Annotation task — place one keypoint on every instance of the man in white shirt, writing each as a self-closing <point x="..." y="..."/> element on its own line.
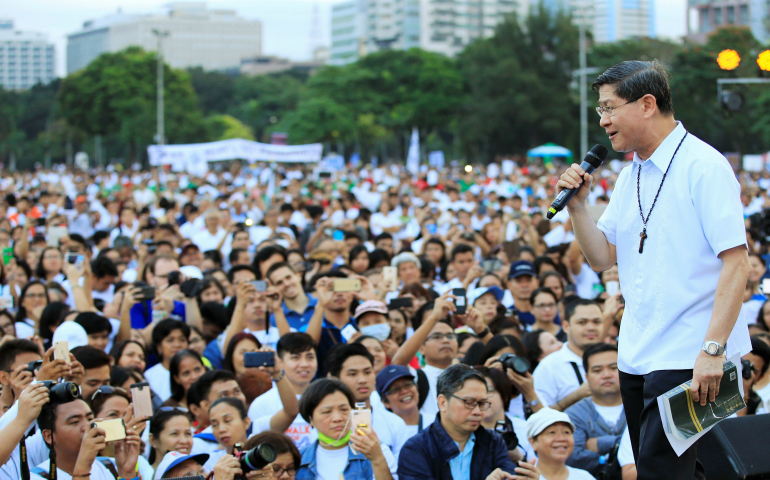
<point x="353" y="365"/>
<point x="675" y="227"/>
<point x="211" y="237"/>
<point x="559" y="376"/>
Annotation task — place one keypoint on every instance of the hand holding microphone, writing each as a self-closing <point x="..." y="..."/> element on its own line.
<point x="576" y="181"/>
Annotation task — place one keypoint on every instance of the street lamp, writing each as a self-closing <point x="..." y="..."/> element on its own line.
<point x="161" y="34"/>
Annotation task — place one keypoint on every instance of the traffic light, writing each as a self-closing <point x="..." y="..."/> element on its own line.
<point x="732" y="101"/>
<point x="763" y="60"/>
<point x="728" y="59"/>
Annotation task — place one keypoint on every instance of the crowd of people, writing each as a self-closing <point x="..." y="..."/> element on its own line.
<point x="363" y="324"/>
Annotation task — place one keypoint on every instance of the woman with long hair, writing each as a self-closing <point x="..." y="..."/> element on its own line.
<point x="49" y="268"/>
<point x="168" y="337"/>
<point x="32" y="301"/>
<point x="498" y="346"/>
<point x="240" y="344"/>
<point x="358" y="259"/>
<point x="185" y="368"/>
<point x="129" y="354"/>
<point x="52" y="316"/>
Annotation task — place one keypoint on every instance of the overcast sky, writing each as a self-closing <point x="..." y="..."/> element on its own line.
<point x="285" y="23"/>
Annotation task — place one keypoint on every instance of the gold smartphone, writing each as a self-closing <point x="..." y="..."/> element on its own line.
<point x="360" y="421"/>
<point x="141" y="399"/>
<point x="342" y="285"/>
<point x="61" y="350"/>
<point x="114" y="429"/>
<point x="389" y="276"/>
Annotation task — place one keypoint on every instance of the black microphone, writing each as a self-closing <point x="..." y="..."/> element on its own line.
<point x="591" y="162"/>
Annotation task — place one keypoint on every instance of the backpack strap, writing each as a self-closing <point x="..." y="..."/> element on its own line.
<point x="577" y="372"/>
<point x="109" y="466"/>
<point x="423" y="387"/>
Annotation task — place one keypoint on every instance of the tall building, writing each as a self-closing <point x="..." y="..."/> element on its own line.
<point x="212" y="39"/>
<point x="708" y="15"/>
<point x="612" y="20"/>
<point x="26" y="58"/>
<point x="442" y="26"/>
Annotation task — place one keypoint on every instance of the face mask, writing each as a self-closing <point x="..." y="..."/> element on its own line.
<point x="380" y="331"/>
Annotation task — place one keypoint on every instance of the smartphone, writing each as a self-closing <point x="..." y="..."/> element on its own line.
<point x="766" y="286"/>
<point x="174" y="278"/>
<point x="491" y="265"/>
<point x="348" y="332"/>
<point x="360" y="420"/>
<point x="260" y="285"/>
<point x="34" y="365"/>
<point x="114" y="429"/>
<point x="389" y="275"/>
<point x="61" y="350"/>
<point x="612" y="288"/>
<point x="7" y="255"/>
<point x="54" y="234"/>
<point x="140" y="398"/>
<point x="147" y="293"/>
<point x="40" y="222"/>
<point x="342" y="285"/>
<point x="75" y="259"/>
<point x="460" y="303"/>
<point x="6" y="302"/>
<point x="324" y="174"/>
<point x="339" y="235"/>
<point x="400" y="302"/>
<point x="151" y="248"/>
<point x="258" y="359"/>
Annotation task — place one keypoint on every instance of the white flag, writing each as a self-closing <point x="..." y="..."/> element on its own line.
<point x="413" y="157"/>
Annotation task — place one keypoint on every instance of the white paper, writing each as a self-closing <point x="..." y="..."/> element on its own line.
<point x="681" y="446"/>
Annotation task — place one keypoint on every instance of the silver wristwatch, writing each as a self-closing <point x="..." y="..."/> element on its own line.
<point x="713" y="348"/>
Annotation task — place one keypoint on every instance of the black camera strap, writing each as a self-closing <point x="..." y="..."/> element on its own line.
<point x="23" y="458"/>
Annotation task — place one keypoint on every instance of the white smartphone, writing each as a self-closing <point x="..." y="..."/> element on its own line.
<point x="348" y="332"/>
<point x="612" y="288"/>
<point x="389" y="276"/>
<point x="766" y="286"/>
<point x="61" y="350"/>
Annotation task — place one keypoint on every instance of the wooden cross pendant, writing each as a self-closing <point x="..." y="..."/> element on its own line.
<point x="643" y="235"/>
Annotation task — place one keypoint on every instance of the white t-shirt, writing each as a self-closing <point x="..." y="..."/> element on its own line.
<point x="611" y="415"/>
<point x="24" y="329"/>
<point x="764" y="394"/>
<point x="429" y="408"/>
<point x="555" y="378"/>
<point x="585" y="281"/>
<point x="332" y="461"/>
<point x="98" y="471"/>
<point x="268" y="404"/>
<point x="575" y="474"/>
<point x="160" y="381"/>
<point x="206" y="241"/>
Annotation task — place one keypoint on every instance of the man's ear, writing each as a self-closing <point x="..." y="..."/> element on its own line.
<point x="5" y="378"/>
<point x="204" y="405"/>
<point x="442" y="400"/>
<point x="48" y="437"/>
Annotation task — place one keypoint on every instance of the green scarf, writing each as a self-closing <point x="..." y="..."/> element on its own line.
<point x="333" y="443"/>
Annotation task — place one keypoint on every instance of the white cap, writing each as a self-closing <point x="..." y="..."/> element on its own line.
<point x="191" y="271"/>
<point x="543" y="419"/>
<point x="72" y="333"/>
<point x="172" y="459"/>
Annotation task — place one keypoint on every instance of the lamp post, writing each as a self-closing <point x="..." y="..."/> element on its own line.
<point x="161" y="34"/>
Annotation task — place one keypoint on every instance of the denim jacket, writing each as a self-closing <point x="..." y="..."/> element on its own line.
<point x="358" y="467"/>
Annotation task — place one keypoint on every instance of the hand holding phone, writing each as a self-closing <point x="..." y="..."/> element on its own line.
<point x="258" y="359"/>
<point x="114" y="429"/>
<point x="342" y="285"/>
<point x="140" y="398"/>
<point x="460" y="303"/>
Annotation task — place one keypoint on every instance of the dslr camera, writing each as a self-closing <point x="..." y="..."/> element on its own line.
<point x="64" y="392"/>
<point x="520" y="365"/>
<point x="256" y="458"/>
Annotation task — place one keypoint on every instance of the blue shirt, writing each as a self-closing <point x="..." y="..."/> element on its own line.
<point x="141" y="313"/>
<point x="330" y="336"/>
<point x="298" y="321"/>
<point x="461" y="464"/>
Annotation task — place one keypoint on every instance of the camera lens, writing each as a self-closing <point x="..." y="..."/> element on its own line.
<point x="518" y="364"/>
<point x="64" y="392"/>
<point x="258" y="457"/>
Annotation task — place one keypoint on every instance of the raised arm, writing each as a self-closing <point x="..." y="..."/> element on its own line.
<point x="441" y="308"/>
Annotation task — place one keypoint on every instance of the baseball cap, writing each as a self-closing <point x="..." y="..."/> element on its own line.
<point x="172" y="459"/>
<point x="477" y="293"/>
<point x="390" y="374"/>
<point x="543" y="419"/>
<point x="522" y="267"/>
<point x="72" y="333"/>
<point x="371" y="306"/>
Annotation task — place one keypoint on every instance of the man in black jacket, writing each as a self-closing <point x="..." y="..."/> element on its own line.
<point x="456" y="446"/>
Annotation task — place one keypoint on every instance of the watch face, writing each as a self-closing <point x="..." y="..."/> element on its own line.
<point x="712" y="348"/>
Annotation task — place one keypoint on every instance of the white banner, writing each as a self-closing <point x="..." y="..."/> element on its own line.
<point x="193" y="157"/>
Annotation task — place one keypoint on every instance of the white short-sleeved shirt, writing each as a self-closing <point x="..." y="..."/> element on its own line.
<point x="268" y="404"/>
<point x="98" y="471"/>
<point x="625" y="451"/>
<point x="669" y="289"/>
<point x="555" y="376"/>
<point x="575" y="474"/>
<point x="429" y="408"/>
<point x="160" y="381"/>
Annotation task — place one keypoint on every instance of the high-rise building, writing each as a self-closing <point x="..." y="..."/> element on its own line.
<point x="612" y="20"/>
<point x="708" y="15"/>
<point x="26" y="58"/>
<point x="197" y="36"/>
<point x="442" y="26"/>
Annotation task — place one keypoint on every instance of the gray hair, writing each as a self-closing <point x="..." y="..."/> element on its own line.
<point x="406" y="257"/>
<point x="634" y="79"/>
<point x="453" y="379"/>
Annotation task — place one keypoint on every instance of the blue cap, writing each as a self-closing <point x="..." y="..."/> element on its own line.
<point x="522" y="267"/>
<point x="477" y="293"/>
<point x="390" y="374"/>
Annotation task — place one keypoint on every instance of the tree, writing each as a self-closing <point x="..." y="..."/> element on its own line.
<point x="223" y="127"/>
<point x="116" y="94"/>
<point x="215" y="90"/>
<point x="263" y="100"/>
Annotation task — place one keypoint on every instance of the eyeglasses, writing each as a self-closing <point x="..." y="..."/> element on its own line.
<point x="277" y="471"/>
<point x="544" y="306"/>
<point x="439" y="336"/>
<point x="471" y="404"/>
<point x="610" y="111"/>
<point x="400" y="388"/>
<point x="35" y="295"/>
